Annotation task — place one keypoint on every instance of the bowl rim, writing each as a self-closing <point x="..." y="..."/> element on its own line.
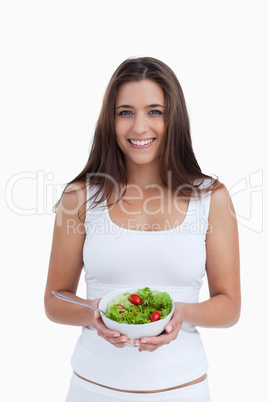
<point x="136" y="325"/>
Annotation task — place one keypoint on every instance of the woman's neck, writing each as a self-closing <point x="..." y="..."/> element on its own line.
<point x="144" y="176"/>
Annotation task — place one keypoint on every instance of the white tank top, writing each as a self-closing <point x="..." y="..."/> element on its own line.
<point x="172" y="261"/>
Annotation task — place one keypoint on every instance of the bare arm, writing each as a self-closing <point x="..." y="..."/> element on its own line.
<point x="66" y="262"/>
<point x="222" y="266"/>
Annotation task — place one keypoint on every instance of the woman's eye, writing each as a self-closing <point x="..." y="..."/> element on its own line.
<point x="155" y="112"/>
<point x="125" y="113"/>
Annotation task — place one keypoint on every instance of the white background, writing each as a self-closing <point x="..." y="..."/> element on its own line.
<point x="56" y="60"/>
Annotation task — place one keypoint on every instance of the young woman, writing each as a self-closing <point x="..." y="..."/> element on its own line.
<point x="142" y="213"/>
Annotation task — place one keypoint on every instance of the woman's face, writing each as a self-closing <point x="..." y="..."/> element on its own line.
<point x="139" y="116"/>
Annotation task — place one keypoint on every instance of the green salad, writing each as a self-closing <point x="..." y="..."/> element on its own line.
<point x="142" y="307"/>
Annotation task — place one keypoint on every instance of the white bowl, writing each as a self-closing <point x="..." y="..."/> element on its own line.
<point x="132" y="331"/>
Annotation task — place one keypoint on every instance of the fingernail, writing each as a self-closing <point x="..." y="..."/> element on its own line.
<point x="96" y="313"/>
<point x="143" y="341"/>
<point x="116" y="335"/>
<point x="169" y="328"/>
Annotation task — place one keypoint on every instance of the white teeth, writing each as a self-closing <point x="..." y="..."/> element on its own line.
<point x="141" y="142"/>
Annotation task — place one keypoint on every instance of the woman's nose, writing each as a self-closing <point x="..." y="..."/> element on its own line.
<point x="140" y="124"/>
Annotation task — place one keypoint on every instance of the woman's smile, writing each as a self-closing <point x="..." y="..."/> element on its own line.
<point x="141" y="143"/>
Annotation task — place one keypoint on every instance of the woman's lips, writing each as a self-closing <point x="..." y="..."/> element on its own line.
<point x="142" y="146"/>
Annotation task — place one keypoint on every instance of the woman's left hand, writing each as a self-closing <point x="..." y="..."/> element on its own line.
<point x="172" y="328"/>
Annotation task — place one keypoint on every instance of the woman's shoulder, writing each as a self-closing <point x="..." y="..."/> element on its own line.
<point x="219" y="194"/>
<point x="217" y="198"/>
<point x="73" y="199"/>
<point x="76" y="189"/>
<point x="77" y="186"/>
<point x="221" y="206"/>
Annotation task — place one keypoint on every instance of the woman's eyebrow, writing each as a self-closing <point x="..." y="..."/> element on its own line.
<point x="125" y="106"/>
<point x="154" y="105"/>
<point x="146" y="107"/>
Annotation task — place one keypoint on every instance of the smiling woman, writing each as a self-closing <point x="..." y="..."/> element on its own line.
<point x="142" y="172"/>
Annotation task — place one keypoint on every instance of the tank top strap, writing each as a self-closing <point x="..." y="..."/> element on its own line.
<point x="93" y="212"/>
<point x="199" y="206"/>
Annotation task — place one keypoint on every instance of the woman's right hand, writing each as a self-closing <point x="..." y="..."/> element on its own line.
<point x="113" y="337"/>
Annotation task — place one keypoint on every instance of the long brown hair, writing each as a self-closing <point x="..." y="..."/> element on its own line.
<point x="105" y="166"/>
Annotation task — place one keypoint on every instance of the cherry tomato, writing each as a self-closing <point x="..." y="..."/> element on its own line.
<point x="135" y="299"/>
<point x="155" y="316"/>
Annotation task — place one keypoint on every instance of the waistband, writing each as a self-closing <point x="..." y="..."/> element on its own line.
<point x="199" y="391"/>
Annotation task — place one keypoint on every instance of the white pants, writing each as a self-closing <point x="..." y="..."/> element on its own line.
<point x="83" y="391"/>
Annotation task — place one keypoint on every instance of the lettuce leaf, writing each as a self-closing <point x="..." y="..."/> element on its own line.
<point x="123" y="311"/>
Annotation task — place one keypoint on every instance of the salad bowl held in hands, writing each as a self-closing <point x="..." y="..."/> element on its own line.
<point x="137" y="312"/>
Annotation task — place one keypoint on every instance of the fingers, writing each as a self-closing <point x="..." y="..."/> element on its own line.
<point x="177" y="318"/>
<point x="174" y="325"/>
<point x="113" y="337"/>
<point x="152" y="343"/>
<point x="172" y="329"/>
